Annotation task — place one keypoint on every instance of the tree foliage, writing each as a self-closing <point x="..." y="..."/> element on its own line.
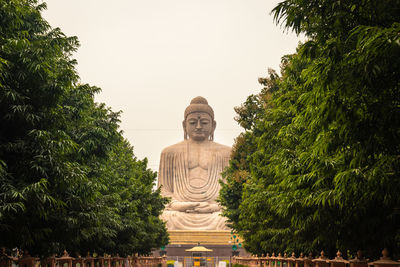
<point x="322" y="158"/>
<point x="68" y="179"/>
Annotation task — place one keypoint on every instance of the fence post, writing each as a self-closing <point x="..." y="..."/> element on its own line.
<point x="291" y="260"/>
<point x="257" y="261"/>
<point x="261" y="260"/>
<point x="358" y="261"/>
<point x="385" y="261"/>
<point x="338" y="261"/>
<point x="279" y="260"/>
<point x="272" y="262"/>
<point x="27" y="260"/>
<point x="78" y="262"/>
<point x="300" y="260"/>
<point x="267" y="259"/>
<point x="134" y="261"/>
<point x="65" y="258"/>
<point x="89" y="260"/>
<point x="254" y="261"/>
<point x="164" y="261"/>
<point x="286" y="260"/>
<point x="308" y="260"/>
<point x="232" y="260"/>
<point x="116" y="261"/>
<point x="107" y="261"/>
<point x="321" y="261"/>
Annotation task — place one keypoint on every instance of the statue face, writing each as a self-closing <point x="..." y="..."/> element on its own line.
<point x="199" y="126"/>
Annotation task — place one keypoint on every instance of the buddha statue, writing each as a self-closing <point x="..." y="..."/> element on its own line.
<point x="190" y="172"/>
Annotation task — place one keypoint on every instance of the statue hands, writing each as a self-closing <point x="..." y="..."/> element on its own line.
<point x="194" y="207"/>
<point x="205" y="207"/>
<point x="183" y="206"/>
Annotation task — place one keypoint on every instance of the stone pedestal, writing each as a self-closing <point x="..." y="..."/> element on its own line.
<point x="205" y="238"/>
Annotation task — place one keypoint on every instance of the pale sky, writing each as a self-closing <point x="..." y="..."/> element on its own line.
<point x="151" y="57"/>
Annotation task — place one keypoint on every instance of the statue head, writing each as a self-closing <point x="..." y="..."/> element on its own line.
<point x="199" y="123"/>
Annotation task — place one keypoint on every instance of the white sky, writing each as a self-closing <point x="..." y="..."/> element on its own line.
<point x="151" y="57"/>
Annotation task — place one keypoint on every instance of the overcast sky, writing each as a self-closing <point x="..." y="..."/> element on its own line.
<point x="151" y="57"/>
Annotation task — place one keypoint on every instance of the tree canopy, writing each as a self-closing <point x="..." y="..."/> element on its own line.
<point x="318" y="164"/>
<point x="68" y="178"/>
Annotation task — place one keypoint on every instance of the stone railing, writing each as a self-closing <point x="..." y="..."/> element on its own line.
<point x="66" y="261"/>
<point x="309" y="261"/>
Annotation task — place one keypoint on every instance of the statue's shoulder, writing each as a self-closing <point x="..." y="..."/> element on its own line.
<point x="220" y="148"/>
<point x="179" y="147"/>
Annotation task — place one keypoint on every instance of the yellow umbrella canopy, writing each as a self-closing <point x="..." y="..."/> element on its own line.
<point x="198" y="249"/>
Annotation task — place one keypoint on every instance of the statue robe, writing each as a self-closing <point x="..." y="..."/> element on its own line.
<point x="174" y="179"/>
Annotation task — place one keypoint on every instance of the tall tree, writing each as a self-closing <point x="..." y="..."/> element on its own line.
<point x="334" y="175"/>
<point x="60" y="151"/>
<point x="249" y="117"/>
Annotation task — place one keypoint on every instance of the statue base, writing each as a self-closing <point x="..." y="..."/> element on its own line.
<point x="217" y="240"/>
<point x="205" y="237"/>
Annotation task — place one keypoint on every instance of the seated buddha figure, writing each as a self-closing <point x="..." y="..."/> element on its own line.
<point x="190" y="172"/>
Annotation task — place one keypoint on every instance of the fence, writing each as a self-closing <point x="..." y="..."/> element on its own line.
<point x="309" y="261"/>
<point x="66" y="261"/>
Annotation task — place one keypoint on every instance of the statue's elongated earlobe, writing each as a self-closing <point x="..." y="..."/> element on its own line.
<point x="184" y="130"/>
<point x="214" y="125"/>
<point x="185" y="133"/>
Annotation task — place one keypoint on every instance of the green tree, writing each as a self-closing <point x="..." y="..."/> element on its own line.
<point x="249" y="117"/>
<point x="68" y="179"/>
<point x="255" y="220"/>
<point x="330" y="171"/>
